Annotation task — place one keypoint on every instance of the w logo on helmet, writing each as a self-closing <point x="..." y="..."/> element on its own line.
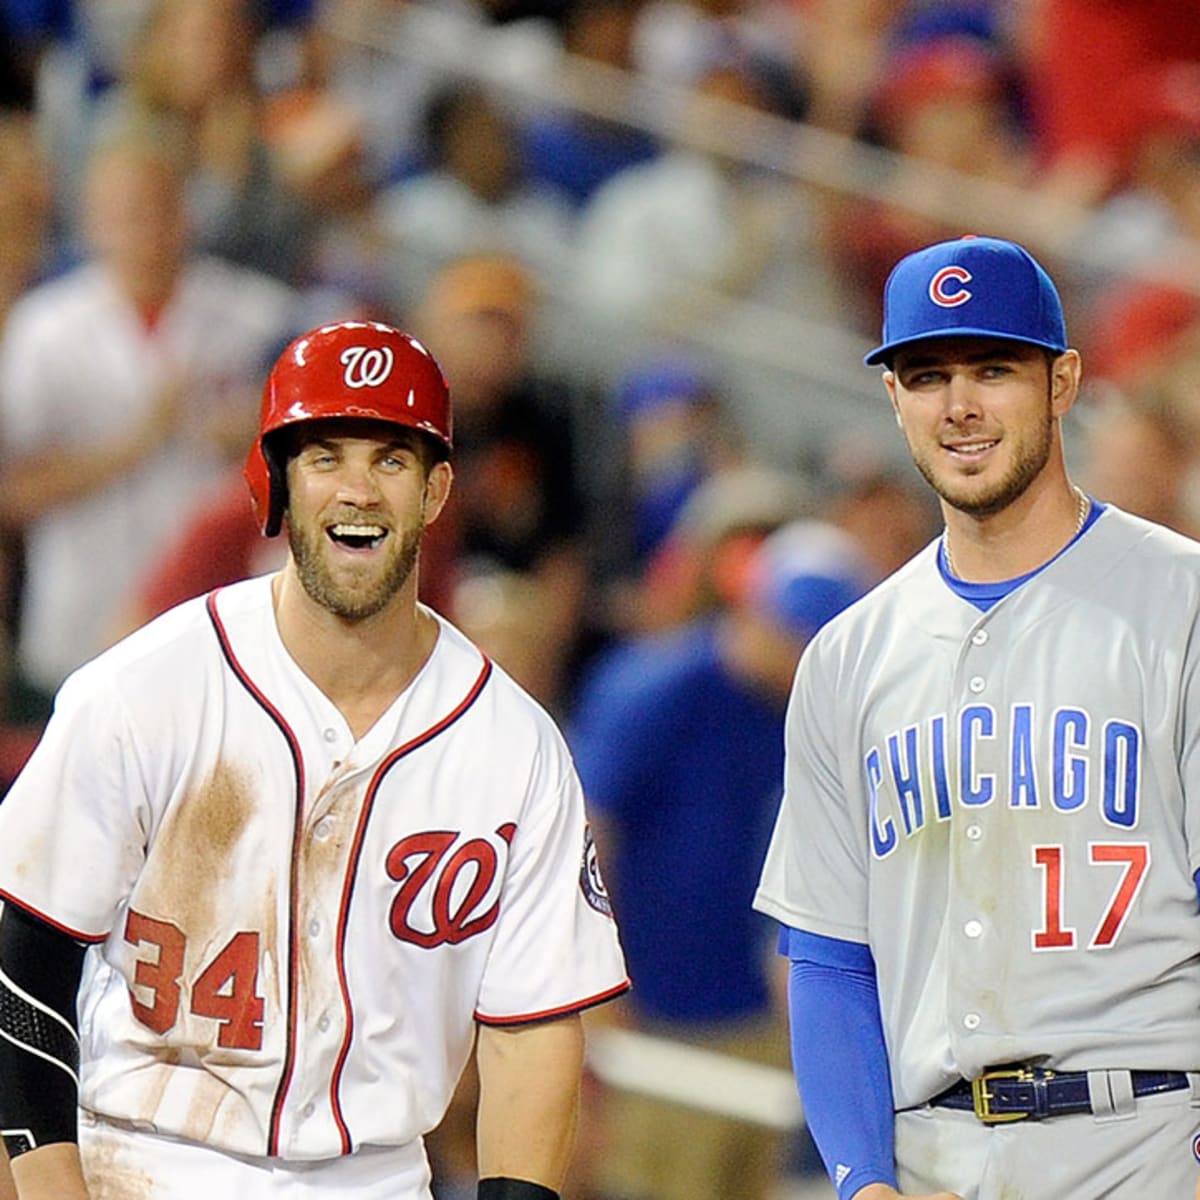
<point x="946" y="288"/>
<point x="366" y="366"/>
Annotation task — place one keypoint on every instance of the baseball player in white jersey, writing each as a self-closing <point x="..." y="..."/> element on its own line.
<point x="295" y="847"/>
<point x="986" y="859"/>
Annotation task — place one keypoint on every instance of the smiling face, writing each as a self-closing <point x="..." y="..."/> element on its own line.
<point x="981" y="416"/>
<point x="360" y="494"/>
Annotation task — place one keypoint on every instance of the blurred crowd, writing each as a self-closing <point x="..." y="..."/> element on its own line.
<point x="562" y="198"/>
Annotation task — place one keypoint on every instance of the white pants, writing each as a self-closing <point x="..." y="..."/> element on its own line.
<point x="1147" y="1150"/>
<point x="123" y="1164"/>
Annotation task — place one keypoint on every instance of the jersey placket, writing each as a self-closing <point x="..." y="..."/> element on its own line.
<point x="976" y="776"/>
<point x="323" y="1016"/>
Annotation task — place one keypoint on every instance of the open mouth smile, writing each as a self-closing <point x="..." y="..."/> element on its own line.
<point x="357" y="537"/>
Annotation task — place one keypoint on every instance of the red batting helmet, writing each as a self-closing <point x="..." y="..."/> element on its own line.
<point x="350" y="369"/>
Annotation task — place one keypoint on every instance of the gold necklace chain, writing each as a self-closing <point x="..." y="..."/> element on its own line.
<point x="1083" y="507"/>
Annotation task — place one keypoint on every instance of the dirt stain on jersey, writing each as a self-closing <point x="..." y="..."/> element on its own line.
<point x="109" y="1177"/>
<point x="35" y="856"/>
<point x="209" y="1092"/>
<point x="324" y="852"/>
<point x="156" y="1079"/>
<point x="190" y="865"/>
<point x="329" y="831"/>
<point x="203" y="878"/>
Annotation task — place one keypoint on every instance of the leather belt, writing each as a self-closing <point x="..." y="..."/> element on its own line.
<point x="1018" y="1093"/>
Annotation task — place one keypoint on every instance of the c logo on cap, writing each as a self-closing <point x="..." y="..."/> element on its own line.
<point x="950" y="297"/>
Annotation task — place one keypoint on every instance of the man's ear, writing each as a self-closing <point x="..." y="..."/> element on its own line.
<point x="437" y="490"/>
<point x="889" y="382"/>
<point x="1065" y="373"/>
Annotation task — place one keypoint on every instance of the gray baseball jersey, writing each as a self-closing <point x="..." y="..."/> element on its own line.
<point x="1006" y="808"/>
<point x="294" y="932"/>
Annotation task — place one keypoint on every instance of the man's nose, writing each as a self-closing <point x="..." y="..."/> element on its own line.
<point x="357" y="484"/>
<point x="962" y="398"/>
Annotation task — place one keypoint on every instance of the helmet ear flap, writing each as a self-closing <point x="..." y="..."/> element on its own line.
<point x="266" y="476"/>
<point x="276" y="492"/>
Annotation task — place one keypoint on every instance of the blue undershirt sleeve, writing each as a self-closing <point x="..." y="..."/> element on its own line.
<point x="839" y="1057"/>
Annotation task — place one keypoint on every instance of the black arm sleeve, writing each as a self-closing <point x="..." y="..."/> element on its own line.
<point x="501" y="1187"/>
<point x="40" y="969"/>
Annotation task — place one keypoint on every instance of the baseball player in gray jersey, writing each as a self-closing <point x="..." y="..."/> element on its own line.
<point x="986" y="859"/>
<point x="289" y="854"/>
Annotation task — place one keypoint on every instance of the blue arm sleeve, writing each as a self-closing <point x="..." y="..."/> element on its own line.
<point x="840" y="1059"/>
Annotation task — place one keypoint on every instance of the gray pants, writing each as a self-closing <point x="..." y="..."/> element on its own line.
<point x="1145" y="1149"/>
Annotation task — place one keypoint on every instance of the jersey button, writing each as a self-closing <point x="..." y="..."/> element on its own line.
<point x="314" y="927"/>
<point x="973" y="929"/>
<point x="322" y="829"/>
<point x="972" y="1021"/>
<point x="979" y="637"/>
<point x="974" y="833"/>
<point x="308" y="1110"/>
<point x="977" y="684"/>
<point x="324" y="1023"/>
<point x="330" y="735"/>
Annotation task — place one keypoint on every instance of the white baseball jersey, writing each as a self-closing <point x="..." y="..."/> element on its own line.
<point x="294" y="933"/>
<point x="1006" y="807"/>
<point x="79" y="369"/>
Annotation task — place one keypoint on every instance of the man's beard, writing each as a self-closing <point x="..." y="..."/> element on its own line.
<point x="1024" y="470"/>
<point x="359" y="595"/>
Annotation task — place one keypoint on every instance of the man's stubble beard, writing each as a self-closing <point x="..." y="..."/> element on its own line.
<point x="355" y="600"/>
<point x="1024" y="470"/>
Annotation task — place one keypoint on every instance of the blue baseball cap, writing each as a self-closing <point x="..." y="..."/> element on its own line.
<point x="663" y="381"/>
<point x="804" y="574"/>
<point x="970" y="287"/>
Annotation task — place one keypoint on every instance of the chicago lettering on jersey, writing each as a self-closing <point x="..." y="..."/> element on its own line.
<point x="1065" y="760"/>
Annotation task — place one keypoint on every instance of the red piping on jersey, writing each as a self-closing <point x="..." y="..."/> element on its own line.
<point x="93" y="939"/>
<point x="550" y="1013"/>
<point x="289" y="1056"/>
<point x="352" y="870"/>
